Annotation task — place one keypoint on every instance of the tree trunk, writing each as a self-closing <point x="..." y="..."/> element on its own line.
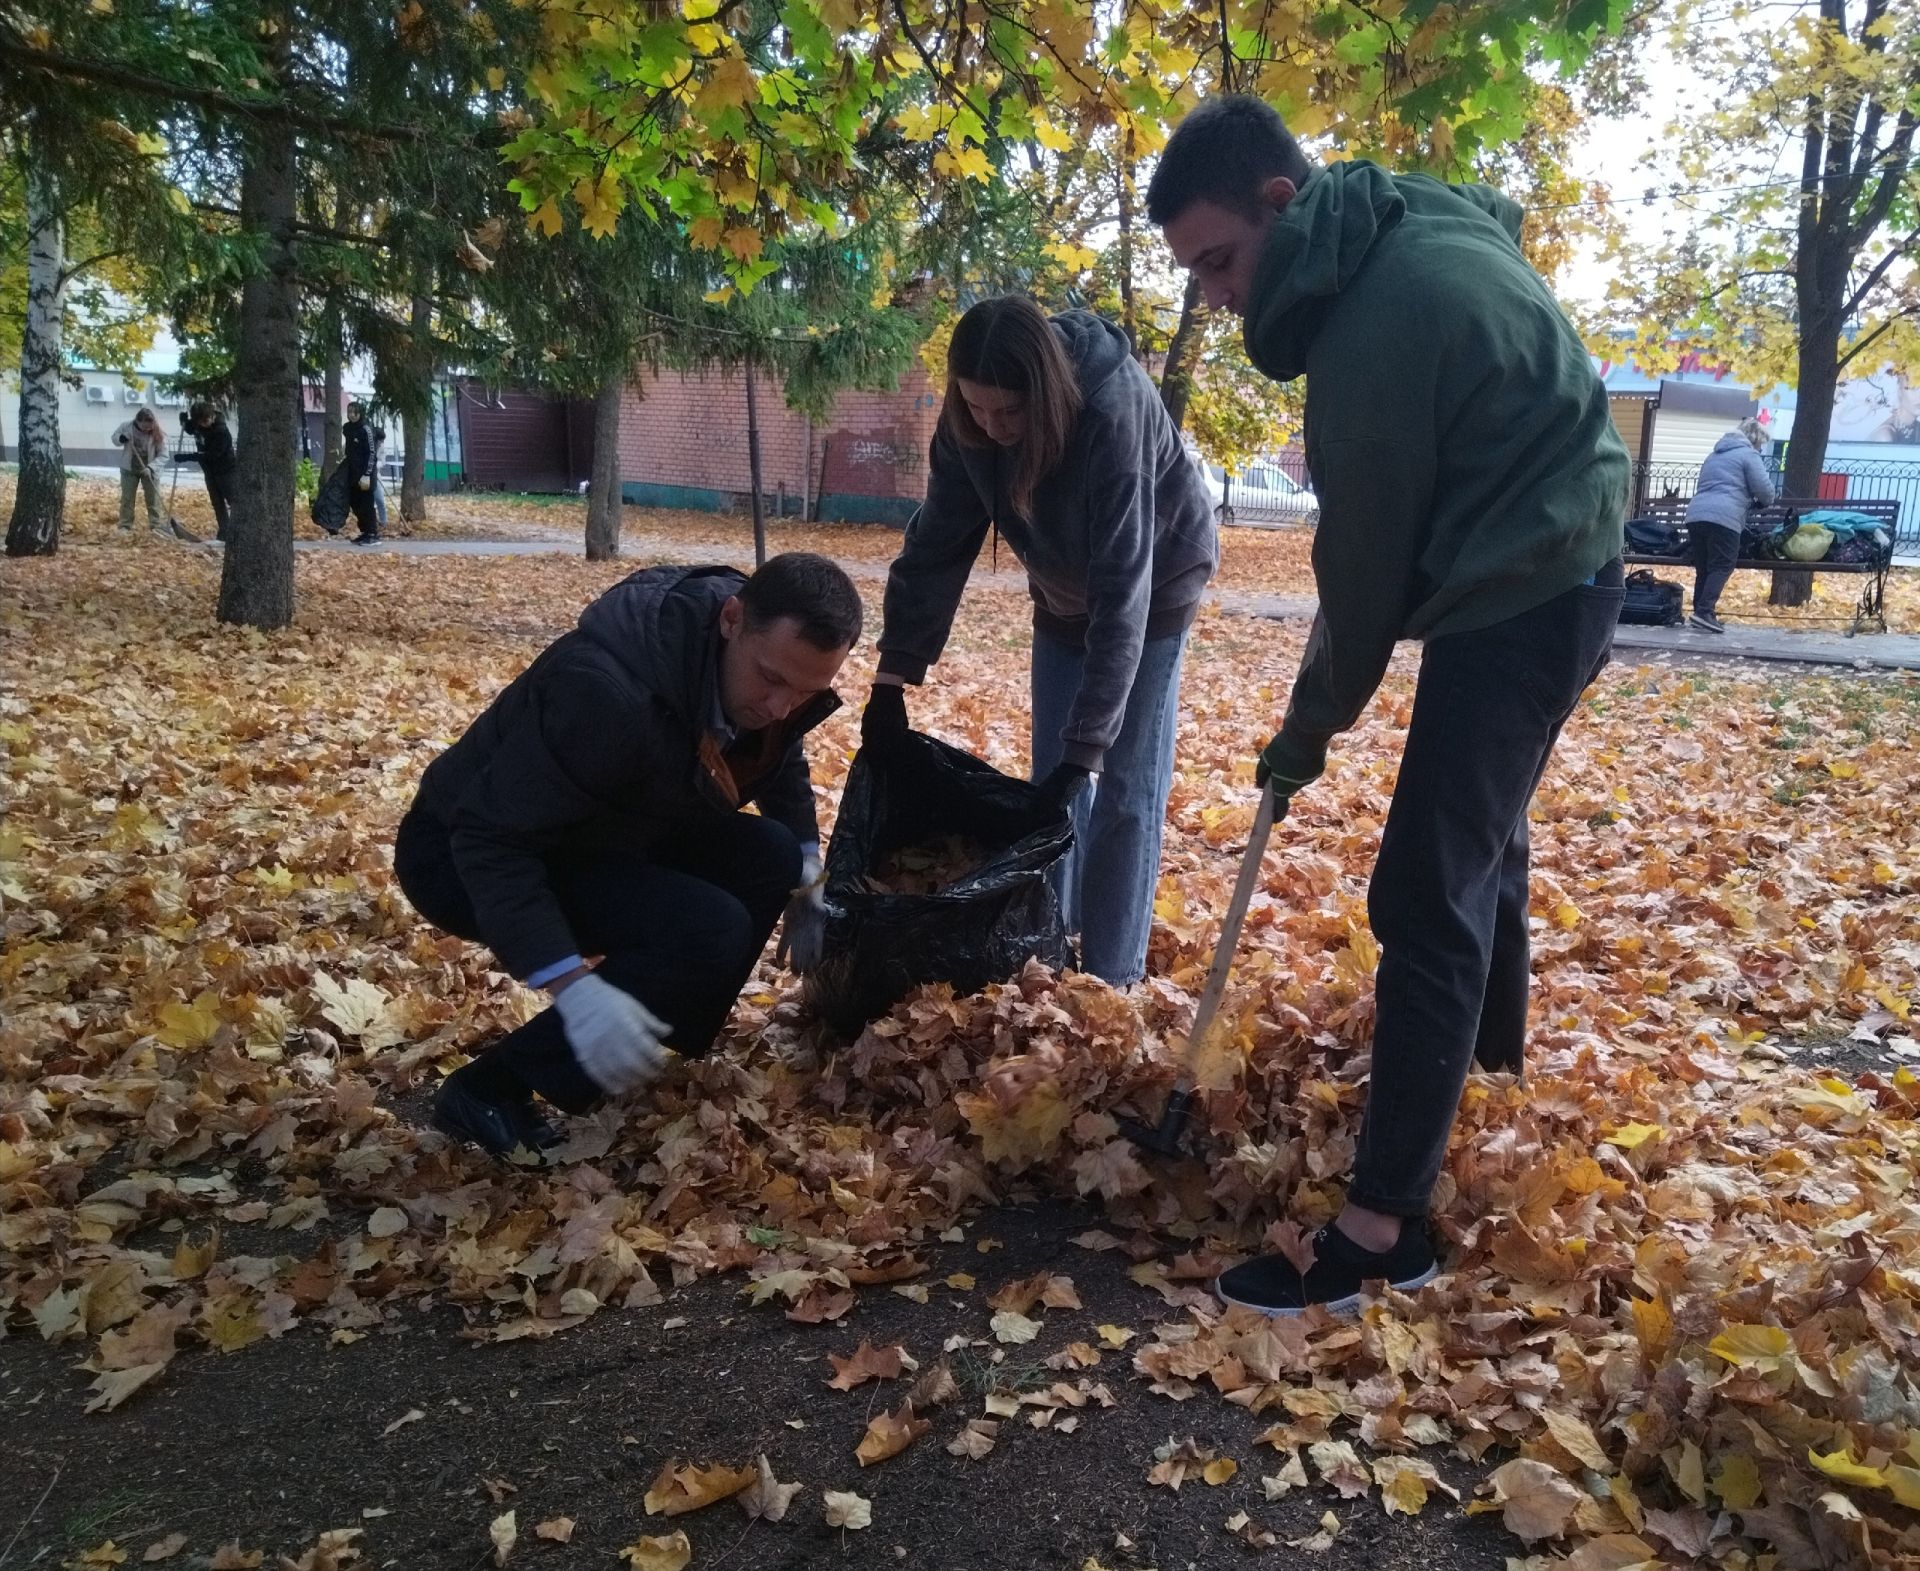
<point x="41" y="495"/>
<point x="753" y="470"/>
<point x="333" y="442"/>
<point x="1129" y="317"/>
<point x="256" y="577"/>
<point x="1176" y="381"/>
<point x="413" y="418"/>
<point x="603" y="489"/>
<point x="1807" y="442"/>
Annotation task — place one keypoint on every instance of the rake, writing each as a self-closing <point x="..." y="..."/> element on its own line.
<point x="1166" y="1138"/>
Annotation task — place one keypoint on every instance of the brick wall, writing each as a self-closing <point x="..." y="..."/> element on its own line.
<point x="683" y="443"/>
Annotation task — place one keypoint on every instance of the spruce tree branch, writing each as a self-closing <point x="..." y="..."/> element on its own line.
<point x="106" y="73"/>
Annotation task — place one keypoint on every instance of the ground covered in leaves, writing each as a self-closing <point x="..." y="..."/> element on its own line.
<point x="257" y="1315"/>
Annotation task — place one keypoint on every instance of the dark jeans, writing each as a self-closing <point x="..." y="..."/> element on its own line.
<point x="680" y="930"/>
<point x="1715" y="550"/>
<point x="220" y="494"/>
<point x="1448" y="901"/>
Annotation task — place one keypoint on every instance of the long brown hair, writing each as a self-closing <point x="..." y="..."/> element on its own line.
<point x="1009" y="343"/>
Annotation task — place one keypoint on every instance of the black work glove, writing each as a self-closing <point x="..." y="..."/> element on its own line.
<point x="1064" y="784"/>
<point x="884" y="720"/>
<point x="1283" y="770"/>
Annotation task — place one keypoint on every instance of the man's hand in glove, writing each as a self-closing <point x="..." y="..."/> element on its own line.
<point x="884" y="719"/>
<point x="1277" y="765"/>
<point x="618" y="1041"/>
<point x="803" y="930"/>
<point x="1062" y="787"/>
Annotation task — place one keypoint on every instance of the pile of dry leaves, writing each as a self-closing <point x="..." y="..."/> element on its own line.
<point x="1684" y="1286"/>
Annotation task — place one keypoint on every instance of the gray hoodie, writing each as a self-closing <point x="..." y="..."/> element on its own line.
<point x="1733" y="480"/>
<point x="1120" y="548"/>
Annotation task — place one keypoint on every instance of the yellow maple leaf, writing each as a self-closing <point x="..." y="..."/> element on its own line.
<point x="1841" y="1465"/>
<point x="1630" y="1137"/>
<point x="546" y="218"/>
<point x="1220" y="1470"/>
<point x="188" y="1026"/>
<point x="705" y="232"/>
<point x="1753" y="1347"/>
<point x="1736" y="1481"/>
<point x="1022" y="1136"/>
<point x="730" y="85"/>
<point x="888" y="1434"/>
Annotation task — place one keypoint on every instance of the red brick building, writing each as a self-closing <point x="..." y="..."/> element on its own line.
<point x="683" y="443"/>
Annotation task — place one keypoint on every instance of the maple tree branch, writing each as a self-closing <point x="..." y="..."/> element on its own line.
<point x="1861" y="343"/>
<point x="1899" y="159"/>
<point x="1894" y="254"/>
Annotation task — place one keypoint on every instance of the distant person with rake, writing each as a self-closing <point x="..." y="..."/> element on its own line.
<point x="142" y="444"/>
<point x="1052" y="434"/>
<point x="595" y="809"/>
<point x="1472" y="495"/>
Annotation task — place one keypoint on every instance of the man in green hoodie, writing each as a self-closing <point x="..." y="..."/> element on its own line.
<point x="1472" y="491"/>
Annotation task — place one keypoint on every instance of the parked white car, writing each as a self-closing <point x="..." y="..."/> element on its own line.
<point x="1263" y="494"/>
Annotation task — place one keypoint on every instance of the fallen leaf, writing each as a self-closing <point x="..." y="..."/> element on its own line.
<point x="867" y="1363"/>
<point x="1220" y="1470"/>
<point x="1536" y="1501"/>
<point x="412" y="1415"/>
<point x="166" y="1548"/>
<point x="1320" y="1542"/>
<point x="976" y="1439"/>
<point x="504" y="1533"/>
<point x="670" y="1553"/>
<point x="677" y="1490"/>
<point x="847" y="1510"/>
<point x="888" y="1434"/>
<point x="1013" y="1328"/>
<point x="766" y="1496"/>
<point x="557" y="1529"/>
<point x="935" y="1388"/>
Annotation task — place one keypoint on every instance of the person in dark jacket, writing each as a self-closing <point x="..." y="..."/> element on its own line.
<point x="362" y="473"/>
<point x="213" y="443"/>
<point x="1472" y="495"/>
<point x="1733" y="481"/>
<point x="595" y="809"/>
<point x="1052" y="433"/>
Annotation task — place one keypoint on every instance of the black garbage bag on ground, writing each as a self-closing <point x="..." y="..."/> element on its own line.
<point x="982" y="928"/>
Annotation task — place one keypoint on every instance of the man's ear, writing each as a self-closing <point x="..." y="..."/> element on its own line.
<point x="732" y="616"/>
<point x="1278" y="192"/>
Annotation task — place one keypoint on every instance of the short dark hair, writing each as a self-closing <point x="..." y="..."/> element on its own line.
<point x="1224" y="152"/>
<point x="814" y="592"/>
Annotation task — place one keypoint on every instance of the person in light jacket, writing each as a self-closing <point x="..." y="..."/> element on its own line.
<point x="1732" y="482"/>
<point x="142" y="444"/>
<point x="1052" y="432"/>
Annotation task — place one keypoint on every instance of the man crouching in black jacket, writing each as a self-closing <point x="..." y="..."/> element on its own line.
<point x="594" y="809"/>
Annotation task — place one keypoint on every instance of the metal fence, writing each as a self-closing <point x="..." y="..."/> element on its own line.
<point x="1841" y="478"/>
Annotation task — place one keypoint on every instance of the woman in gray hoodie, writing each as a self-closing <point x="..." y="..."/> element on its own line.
<point x="1053" y="433"/>
<point x="1732" y="482"/>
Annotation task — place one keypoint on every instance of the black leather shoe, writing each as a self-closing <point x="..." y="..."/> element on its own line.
<point x="537" y="1131"/>
<point x="495" y="1127"/>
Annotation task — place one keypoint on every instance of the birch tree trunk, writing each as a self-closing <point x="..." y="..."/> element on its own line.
<point x="40" y="498"/>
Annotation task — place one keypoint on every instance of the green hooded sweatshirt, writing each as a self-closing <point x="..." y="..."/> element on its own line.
<point x="1459" y="443"/>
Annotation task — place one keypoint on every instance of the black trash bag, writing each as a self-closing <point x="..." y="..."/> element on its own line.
<point x="982" y="929"/>
<point x="332" y="504"/>
<point x="1656" y="537"/>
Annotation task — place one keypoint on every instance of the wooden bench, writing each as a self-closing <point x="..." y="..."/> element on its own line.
<point x="1870" y="612"/>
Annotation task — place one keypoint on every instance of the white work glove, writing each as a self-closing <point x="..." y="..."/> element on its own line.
<point x="366" y="482"/>
<point x="616" y="1038"/>
<point x="803" y="930"/>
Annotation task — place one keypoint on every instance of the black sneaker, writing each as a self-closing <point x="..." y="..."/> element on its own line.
<point x="1340" y="1269"/>
<point x="372" y="539"/>
<point x="1707" y="622"/>
<point x="496" y="1127"/>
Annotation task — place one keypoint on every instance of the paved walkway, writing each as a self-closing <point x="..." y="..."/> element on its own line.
<point x="1741" y="641"/>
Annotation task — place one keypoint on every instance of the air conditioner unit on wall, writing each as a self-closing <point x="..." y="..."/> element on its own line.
<point x="96" y="394"/>
<point x="133" y="395"/>
<point x="168" y="400"/>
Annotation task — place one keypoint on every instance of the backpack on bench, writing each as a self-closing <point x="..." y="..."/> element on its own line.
<point x="1651" y="601"/>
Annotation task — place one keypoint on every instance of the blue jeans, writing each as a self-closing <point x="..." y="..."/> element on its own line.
<point x="1106" y="883"/>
